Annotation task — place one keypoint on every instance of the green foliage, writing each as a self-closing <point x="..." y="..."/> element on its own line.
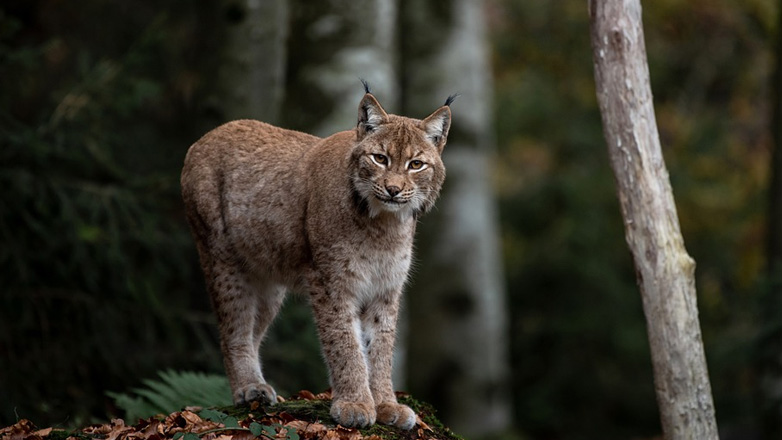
<point x="96" y="262"/>
<point x="101" y="283"/>
<point x="578" y="331"/>
<point x="174" y="391"/>
<point x="219" y="417"/>
<point x="256" y="428"/>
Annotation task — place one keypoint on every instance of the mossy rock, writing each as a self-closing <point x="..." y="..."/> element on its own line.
<point x="298" y="418"/>
<point x="317" y="411"/>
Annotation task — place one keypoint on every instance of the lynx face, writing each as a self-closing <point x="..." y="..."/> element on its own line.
<point x="396" y="164"/>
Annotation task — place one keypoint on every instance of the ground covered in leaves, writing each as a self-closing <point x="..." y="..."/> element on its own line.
<point x="303" y="417"/>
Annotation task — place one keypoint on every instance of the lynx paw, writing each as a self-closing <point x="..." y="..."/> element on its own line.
<point x="260" y="392"/>
<point x="396" y="414"/>
<point x="353" y="414"/>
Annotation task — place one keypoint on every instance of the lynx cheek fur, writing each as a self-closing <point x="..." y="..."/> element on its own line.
<point x="273" y="210"/>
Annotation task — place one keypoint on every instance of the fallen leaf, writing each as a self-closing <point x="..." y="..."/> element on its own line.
<point x="331" y="435"/>
<point x="421" y="423"/>
<point x="97" y="429"/>
<point x="326" y="395"/>
<point x="43" y="432"/>
<point x="346" y="433"/>
<point x="306" y="395"/>
<point x="192" y="418"/>
<point x="187" y="421"/>
<point x="17" y="431"/>
<point x="307" y="430"/>
<point x="112" y="430"/>
<point x="285" y="417"/>
<point x="174" y="421"/>
<point x="150" y="428"/>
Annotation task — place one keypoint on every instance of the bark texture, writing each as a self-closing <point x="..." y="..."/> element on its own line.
<point x="337" y="43"/>
<point x="252" y="73"/>
<point x="458" y="356"/>
<point x="664" y="269"/>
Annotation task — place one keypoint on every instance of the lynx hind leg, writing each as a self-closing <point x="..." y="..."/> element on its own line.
<point x="269" y="302"/>
<point x="245" y="309"/>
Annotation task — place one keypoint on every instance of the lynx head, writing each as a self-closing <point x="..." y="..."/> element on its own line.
<point x="396" y="165"/>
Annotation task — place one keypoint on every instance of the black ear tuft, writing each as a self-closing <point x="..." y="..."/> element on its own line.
<point x="370" y="115"/>
<point x="366" y="85"/>
<point x="436" y="126"/>
<point x="451" y="99"/>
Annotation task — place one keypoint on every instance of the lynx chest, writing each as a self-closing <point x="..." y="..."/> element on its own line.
<point x="370" y="267"/>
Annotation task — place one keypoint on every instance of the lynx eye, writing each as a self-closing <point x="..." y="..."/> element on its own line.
<point x="379" y="159"/>
<point x="415" y="165"/>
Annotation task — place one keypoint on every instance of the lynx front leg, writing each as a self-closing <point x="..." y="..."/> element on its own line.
<point x="244" y="312"/>
<point x="378" y="322"/>
<point x="338" y="329"/>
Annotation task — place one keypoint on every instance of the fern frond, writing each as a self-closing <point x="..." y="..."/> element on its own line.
<point x="173" y="391"/>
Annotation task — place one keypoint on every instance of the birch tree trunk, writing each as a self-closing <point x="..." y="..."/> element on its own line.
<point x="664" y="269"/>
<point x="252" y="72"/>
<point x="333" y="45"/>
<point x="458" y="342"/>
<point x="770" y="362"/>
<point x="337" y="43"/>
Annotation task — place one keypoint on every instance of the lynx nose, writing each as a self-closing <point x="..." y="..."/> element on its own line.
<point x="393" y="190"/>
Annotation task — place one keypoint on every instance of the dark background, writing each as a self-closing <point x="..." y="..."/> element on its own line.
<point x="99" y="280"/>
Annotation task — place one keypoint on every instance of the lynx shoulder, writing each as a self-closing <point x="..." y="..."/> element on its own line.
<point x="274" y="210"/>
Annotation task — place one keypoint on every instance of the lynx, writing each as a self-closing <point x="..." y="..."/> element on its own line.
<point x="275" y="210"/>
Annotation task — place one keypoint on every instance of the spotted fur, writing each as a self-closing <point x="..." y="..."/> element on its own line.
<point x="273" y="210"/>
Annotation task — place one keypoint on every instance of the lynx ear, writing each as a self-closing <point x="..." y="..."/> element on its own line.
<point x="436" y="126"/>
<point x="370" y="116"/>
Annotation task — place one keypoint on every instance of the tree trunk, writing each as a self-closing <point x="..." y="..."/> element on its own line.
<point x="333" y="45"/>
<point x="664" y="269"/>
<point x="458" y="343"/>
<point x="337" y="43"/>
<point x="251" y="75"/>
<point x="770" y="360"/>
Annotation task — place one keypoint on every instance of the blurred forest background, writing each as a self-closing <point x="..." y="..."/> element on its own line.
<point x="100" y="281"/>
